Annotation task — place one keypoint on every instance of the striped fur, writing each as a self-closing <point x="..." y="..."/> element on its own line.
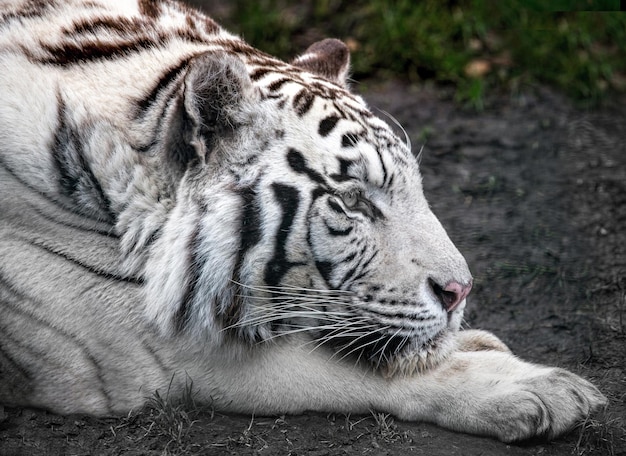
<point x="175" y="202"/>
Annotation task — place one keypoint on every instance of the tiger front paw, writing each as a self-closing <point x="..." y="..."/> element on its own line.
<point x="546" y="405"/>
<point x="492" y="392"/>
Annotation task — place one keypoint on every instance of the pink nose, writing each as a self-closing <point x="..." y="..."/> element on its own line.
<point x="452" y="294"/>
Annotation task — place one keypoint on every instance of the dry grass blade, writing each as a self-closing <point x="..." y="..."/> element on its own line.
<point x="173" y="417"/>
<point x="599" y="435"/>
<point x="385" y="428"/>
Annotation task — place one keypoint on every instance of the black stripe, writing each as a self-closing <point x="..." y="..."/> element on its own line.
<point x="66" y="147"/>
<point x="34" y="9"/>
<point x="344" y="166"/>
<point x="367" y="262"/>
<point x="274" y="86"/>
<point x="325" y="269"/>
<point x="298" y="163"/>
<point x="76" y="179"/>
<point x="250" y="222"/>
<point x="70" y="53"/>
<point x="110" y="233"/>
<point x="336" y="206"/>
<point x="119" y="26"/>
<point x="6" y="359"/>
<point x="349" y="258"/>
<point x="210" y="26"/>
<point x="341" y="178"/>
<point x="250" y="227"/>
<point x="164" y="81"/>
<point x="353" y="270"/>
<point x="195" y="264"/>
<point x="334" y="232"/>
<point x="317" y="192"/>
<point x="360" y="276"/>
<point x="349" y="140"/>
<point x="177" y="141"/>
<point x="376" y="214"/>
<point x="250" y="233"/>
<point x="54" y="201"/>
<point x="303" y="101"/>
<point x="327" y="125"/>
<point x="174" y="97"/>
<point x="155" y="353"/>
<point x="350" y="275"/>
<point x="382" y="164"/>
<point x="149" y="8"/>
<point x="259" y="73"/>
<point x="89" y="268"/>
<point x="289" y="200"/>
<point x="246" y="52"/>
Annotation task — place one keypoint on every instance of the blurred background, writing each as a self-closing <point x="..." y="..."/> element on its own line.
<point x="578" y="46"/>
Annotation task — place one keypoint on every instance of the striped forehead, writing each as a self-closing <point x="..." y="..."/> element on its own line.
<point x="374" y="164"/>
<point x="359" y="147"/>
<point x="331" y="126"/>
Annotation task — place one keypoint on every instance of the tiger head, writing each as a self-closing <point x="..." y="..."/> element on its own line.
<point x="299" y="214"/>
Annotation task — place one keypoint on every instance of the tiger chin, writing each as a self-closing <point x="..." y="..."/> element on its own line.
<point x="176" y="204"/>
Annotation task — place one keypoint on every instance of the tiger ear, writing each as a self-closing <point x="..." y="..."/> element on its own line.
<point x="215" y="89"/>
<point x="329" y="58"/>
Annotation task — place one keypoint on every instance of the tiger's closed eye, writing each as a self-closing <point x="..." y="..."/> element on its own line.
<point x="356" y="201"/>
<point x="351" y="199"/>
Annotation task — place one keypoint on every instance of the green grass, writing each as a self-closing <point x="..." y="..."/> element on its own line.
<point x="474" y="45"/>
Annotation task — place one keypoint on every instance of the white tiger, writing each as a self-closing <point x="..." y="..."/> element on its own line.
<point x="175" y="203"/>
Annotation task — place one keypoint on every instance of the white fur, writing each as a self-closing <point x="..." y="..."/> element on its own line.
<point x="91" y="305"/>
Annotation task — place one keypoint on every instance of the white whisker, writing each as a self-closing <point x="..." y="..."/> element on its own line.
<point x="399" y="125"/>
<point x="330" y="316"/>
<point x="299" y="329"/>
<point x="344" y="330"/>
<point x="358" y="330"/>
<point x="281" y="296"/>
<point x="296" y="311"/>
<point x="262" y="316"/>
<point x="284" y="289"/>
<point x="381" y="350"/>
<point x="362" y="346"/>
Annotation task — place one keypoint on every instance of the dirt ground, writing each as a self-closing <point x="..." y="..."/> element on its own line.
<point x="533" y="191"/>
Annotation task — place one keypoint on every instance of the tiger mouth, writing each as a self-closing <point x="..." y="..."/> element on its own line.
<point x="392" y="355"/>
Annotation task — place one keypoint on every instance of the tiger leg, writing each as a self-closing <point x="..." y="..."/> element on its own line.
<point x="485" y="392"/>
